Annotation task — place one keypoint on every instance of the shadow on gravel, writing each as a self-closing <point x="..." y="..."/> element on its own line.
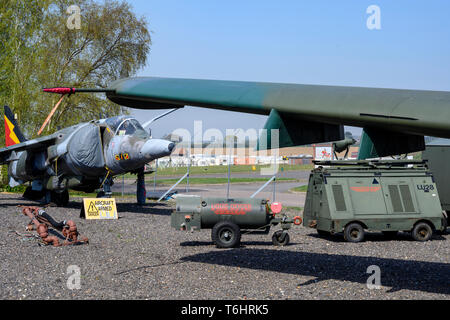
<point x="19" y="202"/>
<point x="375" y="237"/>
<point x="243" y="243"/>
<point x="161" y="209"/>
<point x="395" y="273"/>
<point x="144" y="268"/>
<point x="148" y="208"/>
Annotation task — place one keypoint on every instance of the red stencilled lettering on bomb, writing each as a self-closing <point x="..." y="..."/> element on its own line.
<point x="231" y="209"/>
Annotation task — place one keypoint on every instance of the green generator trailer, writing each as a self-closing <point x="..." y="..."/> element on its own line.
<point x="388" y="196"/>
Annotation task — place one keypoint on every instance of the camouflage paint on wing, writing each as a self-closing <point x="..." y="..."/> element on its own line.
<point x="408" y="111"/>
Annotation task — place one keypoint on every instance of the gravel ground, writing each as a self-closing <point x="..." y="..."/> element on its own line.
<point x="139" y="256"/>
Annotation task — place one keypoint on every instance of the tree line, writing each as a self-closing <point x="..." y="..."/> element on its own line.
<point x="40" y="46"/>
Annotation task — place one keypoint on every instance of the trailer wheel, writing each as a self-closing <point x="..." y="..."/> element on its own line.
<point x="226" y="234"/>
<point x="422" y="232"/>
<point x="277" y="238"/>
<point x="444" y="223"/>
<point x="354" y="232"/>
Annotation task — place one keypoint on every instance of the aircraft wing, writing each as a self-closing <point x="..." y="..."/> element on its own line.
<point x="6" y="154"/>
<point x="395" y="119"/>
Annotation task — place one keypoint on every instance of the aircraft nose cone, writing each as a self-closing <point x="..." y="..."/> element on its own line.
<point x="157" y="148"/>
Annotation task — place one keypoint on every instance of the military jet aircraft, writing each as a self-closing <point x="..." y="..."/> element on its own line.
<point x="394" y="120"/>
<point x="83" y="157"/>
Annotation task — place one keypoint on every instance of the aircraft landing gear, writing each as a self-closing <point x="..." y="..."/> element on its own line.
<point x="60" y="199"/>
<point x="106" y="192"/>
<point x="34" y="195"/>
<point x="141" y="193"/>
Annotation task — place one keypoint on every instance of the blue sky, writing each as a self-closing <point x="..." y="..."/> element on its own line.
<point x="309" y="42"/>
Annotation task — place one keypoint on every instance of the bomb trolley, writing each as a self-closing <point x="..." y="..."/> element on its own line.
<point x="230" y="218"/>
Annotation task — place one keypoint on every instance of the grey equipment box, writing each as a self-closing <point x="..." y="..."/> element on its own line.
<point x="437" y="155"/>
<point x="388" y="196"/>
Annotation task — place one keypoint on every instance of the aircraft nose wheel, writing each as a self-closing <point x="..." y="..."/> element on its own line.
<point x="106" y="185"/>
<point x="60" y="199"/>
<point x="101" y="194"/>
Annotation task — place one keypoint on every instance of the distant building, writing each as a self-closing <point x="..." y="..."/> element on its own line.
<point x="217" y="154"/>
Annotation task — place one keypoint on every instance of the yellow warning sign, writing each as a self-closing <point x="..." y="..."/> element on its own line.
<point x="100" y="208"/>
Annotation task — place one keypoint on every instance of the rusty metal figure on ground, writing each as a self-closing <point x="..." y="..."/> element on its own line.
<point x="41" y="221"/>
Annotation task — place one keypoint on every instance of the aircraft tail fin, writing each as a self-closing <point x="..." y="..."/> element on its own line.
<point x="13" y="135"/>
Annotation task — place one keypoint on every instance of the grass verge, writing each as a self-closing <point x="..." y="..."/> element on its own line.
<point x="213" y="180"/>
<point x="173" y="171"/>
<point x="303" y="188"/>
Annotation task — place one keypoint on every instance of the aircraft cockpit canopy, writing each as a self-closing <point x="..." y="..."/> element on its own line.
<point x="123" y="125"/>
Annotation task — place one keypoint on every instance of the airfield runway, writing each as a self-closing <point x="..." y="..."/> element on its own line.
<point x="139" y="256"/>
